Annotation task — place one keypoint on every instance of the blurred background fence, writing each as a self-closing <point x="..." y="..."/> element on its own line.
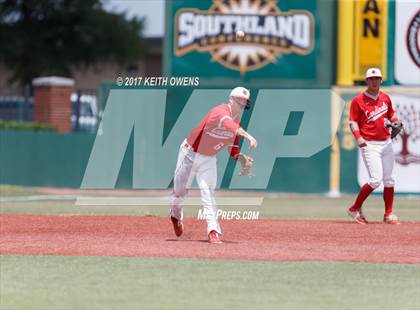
<point x="84" y="106"/>
<point x="16" y="108"/>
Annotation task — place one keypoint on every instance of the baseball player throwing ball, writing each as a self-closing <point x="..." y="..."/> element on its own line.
<point x="220" y="128"/>
<point x="371" y="117"/>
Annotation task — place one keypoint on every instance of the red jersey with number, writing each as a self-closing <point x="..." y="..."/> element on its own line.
<point x="371" y="114"/>
<point x="216" y="131"/>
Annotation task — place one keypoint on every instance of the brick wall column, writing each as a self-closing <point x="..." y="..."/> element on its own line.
<point x="52" y="103"/>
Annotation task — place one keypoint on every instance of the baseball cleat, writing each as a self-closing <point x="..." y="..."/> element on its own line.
<point x="178" y="226"/>
<point x="214" y="237"/>
<point x="391" y="219"/>
<point x="357" y="216"/>
<point x="362" y="217"/>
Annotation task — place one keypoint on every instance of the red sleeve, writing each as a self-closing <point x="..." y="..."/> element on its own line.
<point x="230" y="125"/>
<point x="235" y="150"/>
<point x="354" y="111"/>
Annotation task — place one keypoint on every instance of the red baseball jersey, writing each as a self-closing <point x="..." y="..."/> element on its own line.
<point x="370" y="113"/>
<point x="216" y="131"/>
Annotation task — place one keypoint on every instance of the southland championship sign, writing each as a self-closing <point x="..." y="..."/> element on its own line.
<point x="269" y="33"/>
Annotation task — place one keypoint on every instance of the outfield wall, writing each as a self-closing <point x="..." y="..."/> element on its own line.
<point x="60" y="160"/>
<point x="51" y="159"/>
<point x="55" y="160"/>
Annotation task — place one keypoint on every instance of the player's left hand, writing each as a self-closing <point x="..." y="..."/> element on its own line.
<point x="246" y="162"/>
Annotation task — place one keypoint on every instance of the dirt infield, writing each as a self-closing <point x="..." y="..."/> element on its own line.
<point x="254" y="240"/>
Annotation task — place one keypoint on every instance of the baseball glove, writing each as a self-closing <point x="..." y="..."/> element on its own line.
<point x="246" y="162"/>
<point x="396" y="127"/>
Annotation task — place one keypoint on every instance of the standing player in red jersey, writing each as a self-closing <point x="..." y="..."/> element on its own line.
<point x="371" y="112"/>
<point x="220" y="128"/>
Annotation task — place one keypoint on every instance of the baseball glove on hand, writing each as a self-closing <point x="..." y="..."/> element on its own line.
<point x="396" y="127"/>
<point x="246" y="162"/>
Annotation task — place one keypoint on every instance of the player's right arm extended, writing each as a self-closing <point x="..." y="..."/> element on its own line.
<point x="239" y="131"/>
<point x="252" y="141"/>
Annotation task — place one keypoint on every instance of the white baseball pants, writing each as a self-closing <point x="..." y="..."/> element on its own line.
<point x="190" y="165"/>
<point x="378" y="157"/>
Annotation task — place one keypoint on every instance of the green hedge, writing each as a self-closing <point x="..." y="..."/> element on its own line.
<point x="32" y="126"/>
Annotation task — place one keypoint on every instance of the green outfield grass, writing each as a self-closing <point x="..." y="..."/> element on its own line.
<point x="13" y="190"/>
<point x="293" y="207"/>
<point x="50" y="282"/>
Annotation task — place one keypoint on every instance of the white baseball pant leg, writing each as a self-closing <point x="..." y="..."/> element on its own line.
<point x="388" y="160"/>
<point x="183" y="177"/>
<point x="378" y="157"/>
<point x="207" y="179"/>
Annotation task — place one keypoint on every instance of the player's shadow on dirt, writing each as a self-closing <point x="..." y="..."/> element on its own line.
<point x="197" y="240"/>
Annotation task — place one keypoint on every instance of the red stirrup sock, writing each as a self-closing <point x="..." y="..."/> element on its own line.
<point x="388" y="199"/>
<point x="361" y="197"/>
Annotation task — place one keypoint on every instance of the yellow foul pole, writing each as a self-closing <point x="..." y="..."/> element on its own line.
<point x="345" y="42"/>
